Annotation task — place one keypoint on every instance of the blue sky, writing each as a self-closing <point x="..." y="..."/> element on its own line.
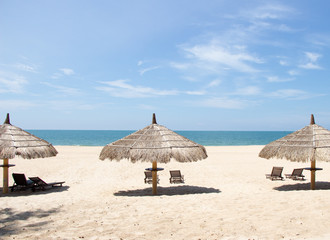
<point x="199" y="65"/>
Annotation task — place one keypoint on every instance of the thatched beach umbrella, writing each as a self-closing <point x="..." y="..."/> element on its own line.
<point x="154" y="143"/>
<point x="16" y="142"/>
<point x="310" y="143"/>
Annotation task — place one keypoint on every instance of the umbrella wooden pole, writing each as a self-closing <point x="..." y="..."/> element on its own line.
<point x="154" y="177"/>
<point x="5" y="175"/>
<point x="313" y="174"/>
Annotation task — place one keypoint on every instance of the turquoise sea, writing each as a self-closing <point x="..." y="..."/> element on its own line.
<point x="206" y="138"/>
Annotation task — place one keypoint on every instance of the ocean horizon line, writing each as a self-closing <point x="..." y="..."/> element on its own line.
<point x="206" y="138"/>
<point x="169" y="128"/>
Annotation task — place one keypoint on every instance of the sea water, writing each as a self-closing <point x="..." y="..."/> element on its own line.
<point x="206" y="138"/>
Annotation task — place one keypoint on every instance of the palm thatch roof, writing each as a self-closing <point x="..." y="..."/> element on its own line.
<point x="310" y="142"/>
<point x="16" y="142"/>
<point x="154" y="143"/>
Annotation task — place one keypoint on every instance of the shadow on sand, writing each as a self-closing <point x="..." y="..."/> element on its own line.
<point x="304" y="187"/>
<point x="14" y="222"/>
<point x="29" y="192"/>
<point x="167" y="191"/>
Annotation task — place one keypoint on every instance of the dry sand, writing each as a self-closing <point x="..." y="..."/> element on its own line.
<point x="226" y="196"/>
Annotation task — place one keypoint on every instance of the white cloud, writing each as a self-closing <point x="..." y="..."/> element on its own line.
<point x="143" y="71"/>
<point x="283" y="62"/>
<point x="56" y="75"/>
<point x="310" y="65"/>
<point x="291" y="94"/>
<point x="67" y="71"/>
<point x="12" y="83"/>
<point x="26" y="67"/>
<point x="180" y="66"/>
<point x="214" y="83"/>
<point x="293" y="72"/>
<point x="247" y="91"/>
<point x="190" y="79"/>
<point x="313" y="57"/>
<point x="120" y="88"/>
<point x="269" y="11"/>
<point x="63" y="71"/>
<point x="199" y="93"/>
<point x="320" y="39"/>
<point x="277" y="79"/>
<point x="311" y="61"/>
<point x="264" y="12"/>
<point x="285" y="28"/>
<point x="224" y="102"/>
<point x="211" y="56"/>
<point x="62" y="89"/>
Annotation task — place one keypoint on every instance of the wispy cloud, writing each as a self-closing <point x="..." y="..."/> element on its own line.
<point x="278" y="79"/>
<point x="247" y="91"/>
<point x="283" y="63"/>
<point x="63" y="72"/>
<point x="180" y="66"/>
<point x="310" y="65"/>
<point x="213" y="83"/>
<point x="140" y="63"/>
<point x="311" y="61"/>
<point x="319" y="39"/>
<point x="121" y="88"/>
<point x="197" y="93"/>
<point x="214" y="54"/>
<point x="265" y="17"/>
<point x="225" y="103"/>
<point x="143" y="71"/>
<point x="293" y="72"/>
<point x="67" y="71"/>
<point x="269" y="11"/>
<point x="292" y="94"/>
<point x="12" y="83"/>
<point x="63" y="89"/>
<point x="26" y="67"/>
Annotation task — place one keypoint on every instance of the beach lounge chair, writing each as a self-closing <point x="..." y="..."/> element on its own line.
<point x="176" y="176"/>
<point x="148" y="177"/>
<point x="20" y="182"/>
<point x="296" y="174"/>
<point x="40" y="184"/>
<point x="276" y="174"/>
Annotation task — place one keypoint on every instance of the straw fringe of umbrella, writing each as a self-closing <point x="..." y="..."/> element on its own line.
<point x="154" y="143"/>
<point x="301" y="146"/>
<point x="15" y="141"/>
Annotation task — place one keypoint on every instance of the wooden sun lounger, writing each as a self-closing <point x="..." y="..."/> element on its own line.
<point x="276" y="174"/>
<point x="20" y="182"/>
<point x="176" y="176"/>
<point x="148" y="177"/>
<point x="296" y="174"/>
<point x="40" y="184"/>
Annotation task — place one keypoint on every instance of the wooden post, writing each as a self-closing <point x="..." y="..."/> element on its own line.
<point x="313" y="174"/>
<point x="154" y="177"/>
<point x="5" y="176"/>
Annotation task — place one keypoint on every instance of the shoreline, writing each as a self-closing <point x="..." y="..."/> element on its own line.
<point x="225" y="196"/>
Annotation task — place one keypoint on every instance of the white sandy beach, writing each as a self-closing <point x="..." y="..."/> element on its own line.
<point x="225" y="196"/>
